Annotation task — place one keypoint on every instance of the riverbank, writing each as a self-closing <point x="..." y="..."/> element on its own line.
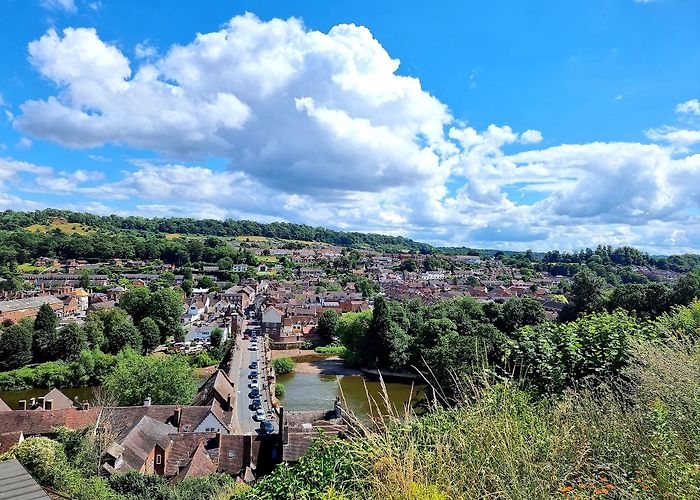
<point x="312" y="363"/>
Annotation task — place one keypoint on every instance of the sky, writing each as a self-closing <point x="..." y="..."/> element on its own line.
<point x="509" y="124"/>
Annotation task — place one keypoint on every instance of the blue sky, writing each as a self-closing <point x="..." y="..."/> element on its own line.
<point x="502" y="124"/>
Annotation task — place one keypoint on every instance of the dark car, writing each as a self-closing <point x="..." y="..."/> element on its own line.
<point x="254" y="393"/>
<point x="253" y="365"/>
<point x="256" y="404"/>
<point x="266" y="427"/>
<point x="253" y="374"/>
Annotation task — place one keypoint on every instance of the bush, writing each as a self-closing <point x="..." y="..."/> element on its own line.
<point x="283" y="365"/>
<point x="338" y="350"/>
<point x="280" y="390"/>
<point x="201" y="360"/>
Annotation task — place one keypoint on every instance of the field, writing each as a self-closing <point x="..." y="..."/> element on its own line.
<point x="64" y="227"/>
<point x="252" y="238"/>
<point x="267" y="259"/>
<point x="29" y="268"/>
<point x="172" y="236"/>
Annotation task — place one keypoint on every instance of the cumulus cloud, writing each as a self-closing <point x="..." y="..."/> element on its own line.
<point x="322" y="128"/>
<point x="66" y="5"/>
<point x="691" y="107"/>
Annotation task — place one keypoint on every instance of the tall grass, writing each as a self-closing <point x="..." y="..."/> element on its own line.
<point x="637" y="439"/>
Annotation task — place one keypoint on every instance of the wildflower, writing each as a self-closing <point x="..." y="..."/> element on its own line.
<point x="581" y="486"/>
<point x="566" y="489"/>
<point x="603" y="479"/>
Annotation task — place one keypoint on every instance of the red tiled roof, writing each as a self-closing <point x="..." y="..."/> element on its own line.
<point x="33" y="422"/>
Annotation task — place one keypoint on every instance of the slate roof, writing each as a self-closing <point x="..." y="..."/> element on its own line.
<point x="17" y="484"/>
<point x="217" y="386"/>
<point x="183" y="446"/>
<point x="28" y="303"/>
<point x="8" y="440"/>
<point x="200" y="464"/>
<point x="59" y="400"/>
<point x="141" y="439"/>
<point x="34" y="422"/>
<point x="123" y="418"/>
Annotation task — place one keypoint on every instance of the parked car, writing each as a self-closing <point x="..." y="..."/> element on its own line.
<point x="266" y="427"/>
<point x="253" y="365"/>
<point x="253" y="374"/>
<point x="253" y="347"/>
<point x="259" y="415"/>
<point x="256" y="404"/>
<point x="254" y="393"/>
<point x="253" y="384"/>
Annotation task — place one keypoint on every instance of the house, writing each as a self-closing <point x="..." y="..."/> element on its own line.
<point x="16" y="309"/>
<point x="217" y="388"/>
<point x="271" y="321"/>
<point x="16" y="482"/>
<point x="44" y="423"/>
<point x="239" y="268"/>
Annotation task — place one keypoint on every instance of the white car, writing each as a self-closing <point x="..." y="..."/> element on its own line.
<point x="253" y="384"/>
<point x="253" y="347"/>
<point x="259" y="415"/>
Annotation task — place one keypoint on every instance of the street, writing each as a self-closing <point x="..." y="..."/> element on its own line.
<point x="242" y="357"/>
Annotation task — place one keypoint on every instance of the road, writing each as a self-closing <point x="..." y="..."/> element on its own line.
<point x="242" y="357"/>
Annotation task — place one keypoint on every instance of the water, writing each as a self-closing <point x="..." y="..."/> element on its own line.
<point x="317" y="392"/>
<point x="12" y="397"/>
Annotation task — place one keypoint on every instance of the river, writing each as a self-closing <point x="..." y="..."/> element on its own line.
<point x="317" y="392"/>
<point x="13" y="397"/>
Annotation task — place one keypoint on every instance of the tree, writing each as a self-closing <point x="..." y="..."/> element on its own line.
<point x="216" y="336"/>
<point x="137" y="302"/>
<point x="327" y="323"/>
<point x="150" y="334"/>
<point x="375" y="351"/>
<point x="687" y="288"/>
<point x="225" y="263"/>
<point x="587" y="292"/>
<point x="168" y="381"/>
<point x="120" y="332"/>
<point x="186" y="287"/>
<point x="518" y="312"/>
<point x="16" y="345"/>
<point x="45" y="335"/>
<point x="71" y="341"/>
<point x="166" y="311"/>
<point x="206" y="282"/>
<point x="84" y="280"/>
<point x="187" y="273"/>
<point x="95" y="328"/>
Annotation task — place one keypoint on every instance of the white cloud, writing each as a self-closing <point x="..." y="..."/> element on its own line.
<point x="531" y="137"/>
<point x="145" y="51"/>
<point x="320" y="128"/>
<point x="24" y="143"/>
<point x="691" y="107"/>
<point x="66" y="5"/>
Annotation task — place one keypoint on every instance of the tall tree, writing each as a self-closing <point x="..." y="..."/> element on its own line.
<point x="45" y="335"/>
<point x="16" y="345"/>
<point x="71" y="340"/>
<point x="120" y="332"/>
<point x="150" y="334"/>
<point x="137" y="302"/>
<point x="166" y="310"/>
<point x="216" y="336"/>
<point x="327" y="324"/>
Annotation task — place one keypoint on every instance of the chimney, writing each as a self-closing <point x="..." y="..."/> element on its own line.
<point x="178" y="416"/>
<point x="228" y="402"/>
<point x="85" y="405"/>
<point x="48" y="404"/>
<point x="32" y="403"/>
<point x="22" y="404"/>
<point x="40" y="401"/>
<point x="147" y="401"/>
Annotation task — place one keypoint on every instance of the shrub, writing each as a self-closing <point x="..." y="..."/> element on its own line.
<point x="338" y="350"/>
<point x="280" y="390"/>
<point x="283" y="365"/>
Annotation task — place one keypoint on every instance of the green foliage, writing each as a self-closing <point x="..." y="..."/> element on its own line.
<point x="202" y="359"/>
<point x="166" y="309"/>
<point x="327" y="324"/>
<point x="45" y="460"/>
<point x="339" y="350"/>
<point x="280" y="390"/>
<point x="16" y="345"/>
<point x="80" y="449"/>
<point x="167" y="380"/>
<point x="216" y="336"/>
<point x="552" y="357"/>
<point x="133" y="485"/>
<point x="45" y="335"/>
<point x="283" y="365"/>
<point x="71" y="341"/>
<point x="327" y="465"/>
<point x="150" y="334"/>
<point x="119" y="331"/>
<point x="136" y="301"/>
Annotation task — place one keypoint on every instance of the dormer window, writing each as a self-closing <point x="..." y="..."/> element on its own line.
<point x="158" y="459"/>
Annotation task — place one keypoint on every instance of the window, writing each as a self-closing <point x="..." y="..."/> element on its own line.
<point x="158" y="459"/>
<point x="230" y="454"/>
<point x="210" y="429"/>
